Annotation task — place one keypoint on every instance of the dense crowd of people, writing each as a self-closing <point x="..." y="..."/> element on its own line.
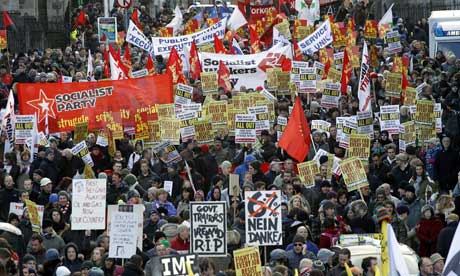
<point x="419" y="188"/>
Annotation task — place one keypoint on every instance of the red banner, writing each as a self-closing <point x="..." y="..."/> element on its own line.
<point x="101" y="104"/>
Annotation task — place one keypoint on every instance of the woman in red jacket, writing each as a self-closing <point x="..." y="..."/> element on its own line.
<point x="331" y="234"/>
<point x="427" y="231"/>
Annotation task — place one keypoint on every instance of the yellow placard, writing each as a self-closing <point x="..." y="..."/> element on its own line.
<point x="217" y="112"/>
<point x="209" y="82"/>
<point x="424" y="115"/>
<point x="154" y="131"/>
<point x="360" y="146"/>
<point x="247" y="262"/>
<point x="353" y="173"/>
<point x="203" y="132"/>
<point x="33" y="216"/>
<point x="166" y="111"/>
<point x="307" y="172"/>
<point x="393" y="85"/>
<point x="81" y="132"/>
<point x="170" y="130"/>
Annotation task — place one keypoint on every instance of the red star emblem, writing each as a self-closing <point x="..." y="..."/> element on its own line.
<point x="44" y="105"/>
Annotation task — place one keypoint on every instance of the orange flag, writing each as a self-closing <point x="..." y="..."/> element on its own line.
<point x="223" y="75"/>
<point x="254" y="40"/>
<point x="346" y="72"/>
<point x="174" y="67"/>
<point x="150" y="66"/>
<point x="219" y="47"/>
<point x="195" y="65"/>
<point x="296" y="136"/>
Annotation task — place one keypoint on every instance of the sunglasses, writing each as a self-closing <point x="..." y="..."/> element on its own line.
<point x="298" y="244"/>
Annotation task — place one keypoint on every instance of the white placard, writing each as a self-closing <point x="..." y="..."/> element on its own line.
<point x="88" y="204"/>
<point x="123" y="231"/>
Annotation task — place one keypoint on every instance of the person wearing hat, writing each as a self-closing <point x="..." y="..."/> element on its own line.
<point x="173" y="175"/>
<point x="100" y="159"/>
<point x="427" y="231"/>
<point x="153" y="225"/>
<point x="414" y="204"/>
<point x="438" y="263"/>
<point x="162" y="202"/>
<point x="49" y="166"/>
<point x="447" y="234"/>
<point x="298" y="252"/>
<point x="46" y="186"/>
<point x="268" y="149"/>
<point x="52" y="261"/>
<point x="278" y="257"/>
<point x="95" y="271"/>
<point x="402" y="171"/>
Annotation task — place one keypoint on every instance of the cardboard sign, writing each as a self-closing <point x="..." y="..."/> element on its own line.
<point x="410" y="96"/>
<point x="217" y="113"/>
<point x="24" y="128"/>
<point x="107" y="29"/>
<point x="170" y="131"/>
<point x="389" y="118"/>
<point x="407" y="135"/>
<point x="247" y="261"/>
<point x="393" y="85"/>
<point x="154" y="131"/>
<point x="81" y="150"/>
<point x="234" y="185"/>
<point x="353" y="173"/>
<point x="365" y="123"/>
<point x="331" y="95"/>
<point x="138" y="211"/>
<point x="172" y="155"/>
<point x="334" y="75"/>
<point x="208" y="228"/>
<point x="262" y="120"/>
<point x="209" y="84"/>
<point x="263" y="218"/>
<point x="424" y="115"/>
<point x="123" y="231"/>
<point x="307" y="172"/>
<point x="394" y="42"/>
<point x="176" y="265"/>
<point x="88" y="204"/>
<point x="34" y="216"/>
<point x="183" y="94"/>
<point x="245" y="128"/>
<point x="349" y="127"/>
<point x="437" y="117"/>
<point x="203" y="132"/>
<point x="187" y="125"/>
<point x="307" y="80"/>
<point x="81" y="132"/>
<point x="360" y="146"/>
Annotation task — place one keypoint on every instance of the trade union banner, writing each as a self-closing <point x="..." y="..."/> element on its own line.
<point x="247" y="70"/>
<point x="163" y="45"/>
<point x="65" y="104"/>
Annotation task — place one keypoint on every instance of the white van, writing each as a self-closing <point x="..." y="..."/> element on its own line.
<point x="444" y="32"/>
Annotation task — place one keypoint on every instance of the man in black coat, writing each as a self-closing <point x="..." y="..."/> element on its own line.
<point x="7" y="195"/>
<point x="446" y="166"/>
<point x="49" y="167"/>
<point x="447" y="234"/>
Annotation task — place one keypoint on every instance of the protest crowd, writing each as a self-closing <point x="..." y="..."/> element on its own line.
<point x="263" y="171"/>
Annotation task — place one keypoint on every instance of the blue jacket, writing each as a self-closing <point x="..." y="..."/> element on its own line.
<point x="168" y="205"/>
<point x="243" y="168"/>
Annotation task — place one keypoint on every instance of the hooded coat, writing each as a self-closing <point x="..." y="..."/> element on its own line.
<point x="75" y="265"/>
<point x="427" y="232"/>
<point x="243" y="168"/>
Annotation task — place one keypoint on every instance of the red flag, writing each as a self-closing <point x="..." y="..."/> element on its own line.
<point x="195" y="65"/>
<point x="219" y="47"/>
<point x="254" y="40"/>
<point x="150" y="65"/>
<point x="135" y="18"/>
<point x="297" y="51"/>
<point x="116" y="56"/>
<point x="174" y="67"/>
<point x="106" y="63"/>
<point x="223" y="77"/>
<point x="286" y="65"/>
<point x="346" y="72"/>
<point x="80" y="20"/>
<point x="296" y="136"/>
<point x="127" y="58"/>
<point x="7" y="20"/>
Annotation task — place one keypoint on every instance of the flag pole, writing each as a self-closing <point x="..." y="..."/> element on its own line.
<point x="189" y="173"/>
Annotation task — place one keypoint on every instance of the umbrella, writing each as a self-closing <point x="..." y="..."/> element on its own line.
<point x="10" y="228"/>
